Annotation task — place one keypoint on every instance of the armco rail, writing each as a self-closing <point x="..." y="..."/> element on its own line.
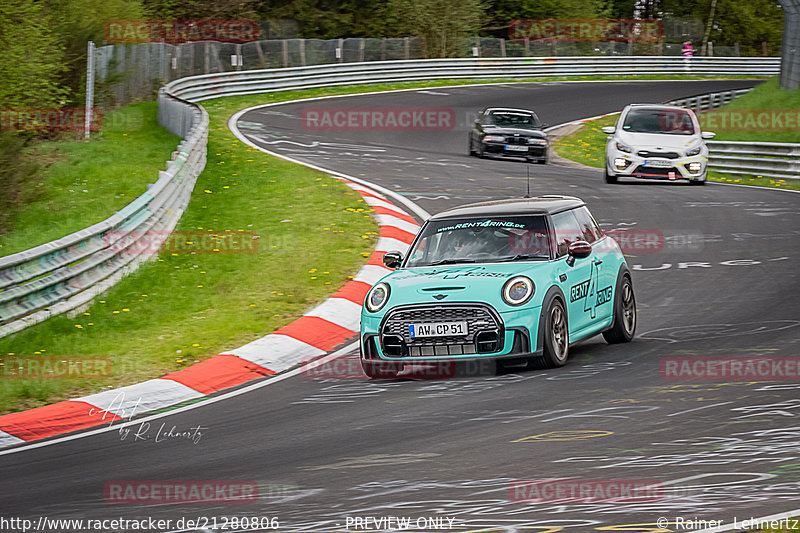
<point x="704" y="102"/>
<point x="773" y="160"/>
<point x="67" y="273"/>
<point x="197" y="88"/>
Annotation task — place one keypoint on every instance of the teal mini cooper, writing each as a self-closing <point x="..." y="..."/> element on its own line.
<point x="507" y="280"/>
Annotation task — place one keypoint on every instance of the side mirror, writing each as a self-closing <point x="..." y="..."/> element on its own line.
<point x="578" y="250"/>
<point x="608" y="129"/>
<point x="392" y="259"/>
<point x="708" y="135"/>
<point x="545" y="125"/>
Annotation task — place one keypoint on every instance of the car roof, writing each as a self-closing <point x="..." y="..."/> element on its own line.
<point x="659" y="106"/>
<point x="542" y="205"/>
<point x="511" y="109"/>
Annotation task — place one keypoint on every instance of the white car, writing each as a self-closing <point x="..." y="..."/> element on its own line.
<point x="657" y="142"/>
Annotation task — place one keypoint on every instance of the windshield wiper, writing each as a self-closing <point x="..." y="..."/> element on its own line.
<point x="453" y="260"/>
<point x="520" y="257"/>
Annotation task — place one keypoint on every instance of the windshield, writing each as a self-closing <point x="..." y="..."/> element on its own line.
<point x="481" y="240"/>
<point x="513" y="119"/>
<point x="655" y="120"/>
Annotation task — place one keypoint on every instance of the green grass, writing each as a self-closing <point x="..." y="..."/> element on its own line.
<point x="87" y="182"/>
<point x="587" y="145"/>
<point x="314" y="234"/>
<point x="767" y="96"/>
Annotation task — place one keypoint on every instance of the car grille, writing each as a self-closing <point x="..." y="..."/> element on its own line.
<point x="484" y="330"/>
<point x="516" y="140"/>
<point x="663" y="155"/>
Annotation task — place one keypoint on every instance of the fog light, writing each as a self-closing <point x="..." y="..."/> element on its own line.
<point x="695" y="167"/>
<point x="620" y="163"/>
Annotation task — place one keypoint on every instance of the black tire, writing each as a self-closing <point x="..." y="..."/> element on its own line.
<point x="471" y="151"/>
<point x="381" y="370"/>
<point x="610" y="178"/>
<point x="624" y="326"/>
<point x="698" y="182"/>
<point x="556" y="335"/>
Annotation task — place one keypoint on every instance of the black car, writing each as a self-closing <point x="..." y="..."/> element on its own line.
<point x="509" y="132"/>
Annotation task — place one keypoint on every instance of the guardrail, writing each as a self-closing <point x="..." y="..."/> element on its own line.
<point x="704" y="102"/>
<point x="67" y="273"/>
<point x="773" y="160"/>
<point x="198" y="88"/>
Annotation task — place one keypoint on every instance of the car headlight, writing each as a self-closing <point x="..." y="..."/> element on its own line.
<point x="494" y="139"/>
<point x="622" y="147"/>
<point x="621" y="164"/>
<point x="536" y="140"/>
<point x="518" y="290"/>
<point x="377" y="297"/>
<point x="694" y="151"/>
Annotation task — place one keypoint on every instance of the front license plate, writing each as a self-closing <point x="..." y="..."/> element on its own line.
<point x="437" y="329"/>
<point x="516" y="148"/>
<point x="658" y="163"/>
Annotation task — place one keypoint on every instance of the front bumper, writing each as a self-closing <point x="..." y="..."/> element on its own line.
<point x="490" y="334"/>
<point x="693" y="168"/>
<point x="530" y="151"/>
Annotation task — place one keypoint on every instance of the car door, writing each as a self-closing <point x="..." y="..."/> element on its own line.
<point x="604" y="265"/>
<point x="579" y="281"/>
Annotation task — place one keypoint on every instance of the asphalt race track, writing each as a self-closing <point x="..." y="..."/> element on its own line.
<point x="724" y="283"/>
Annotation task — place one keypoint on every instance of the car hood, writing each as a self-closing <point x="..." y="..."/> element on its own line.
<point x="499" y="130"/>
<point x="456" y="283"/>
<point x="664" y="142"/>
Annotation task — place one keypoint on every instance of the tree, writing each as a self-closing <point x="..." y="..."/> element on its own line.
<point x="330" y="19"/>
<point x="442" y="24"/>
<point x="75" y="23"/>
<point x="32" y="58"/>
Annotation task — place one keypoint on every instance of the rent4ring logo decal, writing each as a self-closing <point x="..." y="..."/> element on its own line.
<point x="579" y="291"/>
<point x="604" y="295"/>
<point x="585" y="289"/>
